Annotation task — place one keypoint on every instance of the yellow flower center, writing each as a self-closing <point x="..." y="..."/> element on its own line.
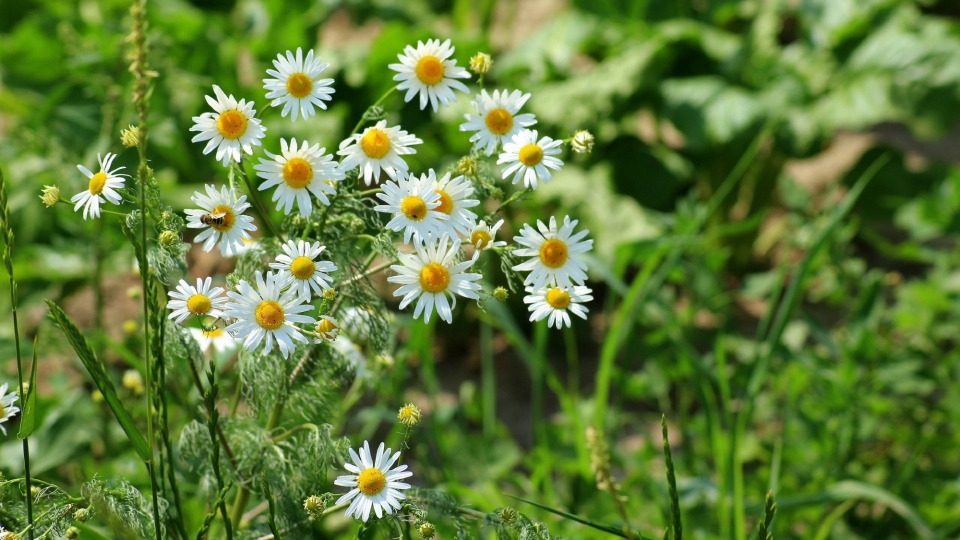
<point x="413" y="207"/>
<point x="97" y="182"/>
<point x="216" y="332"/>
<point x="375" y="143"/>
<point x="198" y="304"/>
<point x="371" y="481"/>
<point x="302" y="267"/>
<point x="297" y="173"/>
<point x="227" y="220"/>
<point x="553" y="253"/>
<point x="325" y="326"/>
<point x="530" y="155"/>
<point x="232" y="124"/>
<point x="434" y="278"/>
<point x="480" y="238"/>
<point x="430" y="70"/>
<point x="558" y="298"/>
<point x="499" y="121"/>
<point x="269" y="315"/>
<point x="446" y="203"/>
<point x="299" y="85"/>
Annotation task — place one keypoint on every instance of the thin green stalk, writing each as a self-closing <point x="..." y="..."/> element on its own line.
<point x="671" y="482"/>
<point x="262" y="211"/>
<point x="573" y="396"/>
<point x="213" y="417"/>
<point x="488" y="379"/>
<point x="537" y="376"/>
<point x="364" y="117"/>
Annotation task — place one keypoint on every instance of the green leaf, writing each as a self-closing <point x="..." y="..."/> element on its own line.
<point x="600" y="527"/>
<point x="95" y="368"/>
<point x="30" y="399"/>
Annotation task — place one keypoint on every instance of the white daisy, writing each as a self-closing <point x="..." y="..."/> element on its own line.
<point x="7" y="408"/>
<point x="431" y="275"/>
<point x="298" y="261"/>
<point x="413" y="203"/>
<point x="327" y="328"/>
<point x="529" y="158"/>
<point x="102" y="186"/>
<point x="497" y="120"/>
<point x="200" y="300"/>
<point x="554" y="254"/>
<point x="428" y="71"/>
<point x="375" y="482"/>
<point x="296" y="84"/>
<point x="223" y="218"/>
<point x="377" y="148"/>
<point x="482" y="236"/>
<point x="218" y="338"/>
<point x="297" y="173"/>
<point x="556" y="302"/>
<point x="231" y="128"/>
<point x="264" y="312"/>
<point x="454" y="202"/>
<point x="352" y="353"/>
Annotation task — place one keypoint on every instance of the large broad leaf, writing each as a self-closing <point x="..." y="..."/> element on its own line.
<point x="29" y="400"/>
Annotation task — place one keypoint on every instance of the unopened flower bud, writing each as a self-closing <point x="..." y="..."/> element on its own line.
<point x="329" y="294"/>
<point x="496" y="194"/>
<point x="582" y="142"/>
<point x="467" y="166"/>
<point x="508" y="515"/>
<point x="409" y="415"/>
<point x="82" y="515"/>
<point x="427" y="530"/>
<point x="481" y="63"/>
<point x="168" y="239"/>
<point x="35" y="491"/>
<point x="501" y="294"/>
<point x="315" y="506"/>
<point x="72" y="533"/>
<point x="130" y="137"/>
<point x="51" y="194"/>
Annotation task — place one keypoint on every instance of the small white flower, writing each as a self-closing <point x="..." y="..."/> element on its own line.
<point x="582" y="142"/>
<point x="223" y="218"/>
<point x="231" y="128"/>
<point x="413" y="203"/>
<point x="375" y="482"/>
<point x="482" y="236"/>
<point x="327" y="328"/>
<point x="219" y="338"/>
<point x="530" y="159"/>
<point x="428" y="71"/>
<point x="431" y="275"/>
<point x="377" y="148"/>
<point x="102" y="186"/>
<point x="496" y="120"/>
<point x="352" y="353"/>
<point x="200" y="300"/>
<point x="454" y="202"/>
<point x="299" y="261"/>
<point x="7" y="407"/>
<point x="556" y="302"/>
<point x="296" y="84"/>
<point x="265" y="313"/>
<point x="554" y="254"/>
<point x="297" y="173"/>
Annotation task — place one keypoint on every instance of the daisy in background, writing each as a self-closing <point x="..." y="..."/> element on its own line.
<point x="482" y="236"/>
<point x="496" y="120"/>
<point x="218" y="338"/>
<point x="377" y="148"/>
<point x="375" y="483"/>
<point x="530" y="159"/>
<point x="557" y="303"/>
<point x="431" y="275"/>
<point x="428" y="71"/>
<point x="201" y="300"/>
<point x="266" y="313"/>
<point x="102" y="187"/>
<point x="296" y="84"/>
<point x="453" y="202"/>
<point x="223" y="218"/>
<point x="8" y="409"/>
<point x="298" y="261"/>
<point x="297" y="173"/>
<point x="554" y="254"/>
<point x="413" y="203"/>
<point x="327" y="329"/>
<point x="231" y="128"/>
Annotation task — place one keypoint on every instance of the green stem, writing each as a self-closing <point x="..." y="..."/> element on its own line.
<point x="258" y="204"/>
<point x="363" y="117"/>
<point x="488" y="379"/>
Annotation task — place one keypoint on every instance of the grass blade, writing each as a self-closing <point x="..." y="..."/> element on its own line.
<point x="598" y="526"/>
<point x="29" y="413"/>
<point x="671" y="482"/>
<point x="769" y="510"/>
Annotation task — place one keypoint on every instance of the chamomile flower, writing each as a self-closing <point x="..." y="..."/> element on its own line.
<point x="378" y="148"/>
<point x="102" y="187"/>
<point x="482" y="236"/>
<point x="327" y="328"/>
<point x="413" y="203"/>
<point x="431" y="275"/>
<point x="233" y="127"/>
<point x="496" y="121"/>
<point x="427" y="70"/>
<point x="7" y="407"/>
<point x="454" y="202"/>
<point x="297" y="84"/>
<point x="299" y="261"/>
<point x="554" y="254"/>
<point x="266" y="313"/>
<point x="218" y="338"/>
<point x="530" y="159"/>
<point x="375" y="483"/>
<point x="557" y="303"/>
<point x="298" y="172"/>
<point x="351" y="353"/>
<point x="201" y="300"/>
<point x="223" y="218"/>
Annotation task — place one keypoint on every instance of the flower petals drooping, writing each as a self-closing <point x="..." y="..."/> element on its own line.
<point x="101" y="187"/>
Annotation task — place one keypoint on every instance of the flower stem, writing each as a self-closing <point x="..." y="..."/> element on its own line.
<point x="363" y="117"/>
<point x="258" y="205"/>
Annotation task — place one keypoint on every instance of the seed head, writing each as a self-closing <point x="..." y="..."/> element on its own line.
<point x="130" y="137"/>
<point x="82" y="515"/>
<point x="315" y="506"/>
<point x="51" y="194"/>
<point x="501" y="294"/>
<point x="481" y="63"/>
<point x="169" y="239"/>
<point x="427" y="530"/>
<point x="467" y="166"/>
<point x="409" y="415"/>
<point x="582" y="142"/>
<point x="133" y="380"/>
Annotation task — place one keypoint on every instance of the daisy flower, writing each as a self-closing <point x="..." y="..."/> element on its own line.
<point x="218" y="338"/>
<point x="431" y="275"/>
<point x="482" y="236"/>
<point x="223" y="217"/>
<point x="377" y="148"/>
<point x="231" y="128"/>
<point x="556" y="302"/>
<point x="297" y="173"/>
<point x="496" y="120"/>
<point x="296" y="84"/>
<point x="554" y="254"/>
<point x="352" y="353"/>
<point x="529" y="158"/>
<point x="374" y="482"/>
<point x="453" y="202"/>
<point x="265" y="313"/>
<point x="328" y="328"/>
<point x="428" y="71"/>
<point x="102" y="186"/>
<point x="200" y="300"/>
<point x="8" y="409"/>
<point x="298" y="261"/>
<point x="413" y="203"/>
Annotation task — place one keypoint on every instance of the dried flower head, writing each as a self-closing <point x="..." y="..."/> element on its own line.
<point x="130" y="136"/>
<point x="582" y="142"/>
<point x="409" y="415"/>
<point x="481" y="63"/>
<point x="51" y="195"/>
<point x="501" y="294"/>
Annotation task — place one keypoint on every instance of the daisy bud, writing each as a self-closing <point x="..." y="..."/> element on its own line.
<point x="315" y="506"/>
<point x="501" y="294"/>
<point x="481" y="63"/>
<point x="72" y="533"/>
<point x="51" y="195"/>
<point x="467" y="166"/>
<point x="329" y="294"/>
<point x="409" y="416"/>
<point x="508" y="515"/>
<point x="169" y="239"/>
<point x="82" y="515"/>
<point x="130" y="137"/>
<point x="133" y="381"/>
<point x="427" y="530"/>
<point x="582" y="142"/>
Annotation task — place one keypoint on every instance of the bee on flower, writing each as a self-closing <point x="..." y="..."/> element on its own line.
<point x="102" y="187"/>
<point x="553" y="254"/>
<point x="375" y="483"/>
<point x="231" y="128"/>
<point x="223" y="217"/>
<point x="200" y="301"/>
<point x="297" y="173"/>
<point x="267" y="313"/>
<point x="530" y="160"/>
<point x="430" y="276"/>
<point x="429" y="71"/>
<point x="557" y="303"/>
<point x="296" y="84"/>
<point x="377" y="149"/>
<point x="496" y="121"/>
